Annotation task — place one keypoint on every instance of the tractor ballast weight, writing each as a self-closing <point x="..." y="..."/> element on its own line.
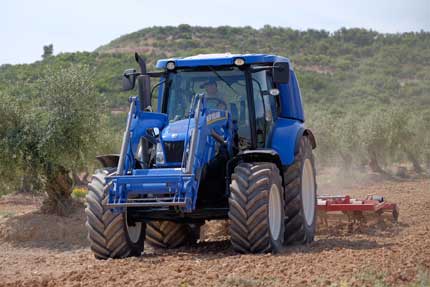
<point x="227" y="141"/>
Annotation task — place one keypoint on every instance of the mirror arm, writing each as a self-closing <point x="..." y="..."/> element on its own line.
<point x="156" y="74"/>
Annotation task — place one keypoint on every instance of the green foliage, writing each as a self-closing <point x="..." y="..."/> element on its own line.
<point x="10" y="125"/>
<point x="67" y="116"/>
<point x="392" y="134"/>
<point x="51" y="122"/>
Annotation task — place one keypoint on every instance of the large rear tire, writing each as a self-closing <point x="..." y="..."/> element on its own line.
<point x="256" y="208"/>
<point x="168" y="234"/>
<point x="111" y="235"/>
<point x="300" y="196"/>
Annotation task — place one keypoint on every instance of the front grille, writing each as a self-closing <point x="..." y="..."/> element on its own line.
<point x="173" y="151"/>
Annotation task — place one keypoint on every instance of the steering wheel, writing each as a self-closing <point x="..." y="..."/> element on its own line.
<point x="220" y="104"/>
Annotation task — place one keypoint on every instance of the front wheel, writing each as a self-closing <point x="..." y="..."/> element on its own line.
<point x="111" y="235"/>
<point x="256" y="208"/>
<point x="168" y="234"/>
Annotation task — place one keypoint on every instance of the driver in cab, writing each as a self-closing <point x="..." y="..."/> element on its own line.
<point x="215" y="100"/>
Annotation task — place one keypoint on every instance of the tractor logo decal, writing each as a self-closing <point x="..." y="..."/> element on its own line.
<point x="214" y="117"/>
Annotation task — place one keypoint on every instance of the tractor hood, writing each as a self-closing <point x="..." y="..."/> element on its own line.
<point x="177" y="131"/>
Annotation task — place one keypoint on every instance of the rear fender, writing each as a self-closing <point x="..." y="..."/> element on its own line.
<point x="307" y="133"/>
<point x="286" y="135"/>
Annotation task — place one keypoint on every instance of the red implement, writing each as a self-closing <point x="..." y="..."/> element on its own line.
<point x="355" y="208"/>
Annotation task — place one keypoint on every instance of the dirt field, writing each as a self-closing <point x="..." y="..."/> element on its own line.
<point x="40" y="250"/>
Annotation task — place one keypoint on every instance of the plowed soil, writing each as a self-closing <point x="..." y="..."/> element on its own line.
<point x="42" y="250"/>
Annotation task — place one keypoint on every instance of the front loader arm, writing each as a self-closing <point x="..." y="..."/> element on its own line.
<point x="126" y="138"/>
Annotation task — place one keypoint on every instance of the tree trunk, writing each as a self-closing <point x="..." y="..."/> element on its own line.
<point x="59" y="187"/>
<point x="428" y="163"/>
<point x="347" y="160"/>
<point x="373" y="162"/>
<point x="30" y="181"/>
<point x="85" y="177"/>
<point x="80" y="180"/>
<point x="415" y="162"/>
<point x="25" y="185"/>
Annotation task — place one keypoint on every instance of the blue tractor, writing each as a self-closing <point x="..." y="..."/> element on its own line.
<point x="217" y="136"/>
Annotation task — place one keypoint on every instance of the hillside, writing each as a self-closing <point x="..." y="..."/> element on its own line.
<point x="350" y="67"/>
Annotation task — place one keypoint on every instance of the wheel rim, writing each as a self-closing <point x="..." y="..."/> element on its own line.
<point x="308" y="192"/>
<point x="133" y="231"/>
<point x="275" y="212"/>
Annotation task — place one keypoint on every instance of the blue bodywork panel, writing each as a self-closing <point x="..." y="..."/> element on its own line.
<point x="283" y="141"/>
<point x="176" y="131"/>
<point x="291" y="99"/>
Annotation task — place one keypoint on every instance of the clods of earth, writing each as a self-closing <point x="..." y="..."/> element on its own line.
<point x="47" y="250"/>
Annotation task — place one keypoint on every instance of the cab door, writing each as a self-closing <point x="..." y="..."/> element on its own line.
<point x="264" y="106"/>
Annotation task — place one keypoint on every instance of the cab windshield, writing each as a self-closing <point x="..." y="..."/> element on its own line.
<point x="224" y="89"/>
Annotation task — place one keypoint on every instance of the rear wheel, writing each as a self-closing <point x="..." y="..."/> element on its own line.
<point x="111" y="235"/>
<point x="300" y="196"/>
<point x="169" y="234"/>
<point x="256" y="208"/>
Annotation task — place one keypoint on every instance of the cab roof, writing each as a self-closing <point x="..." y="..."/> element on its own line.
<point x="220" y="60"/>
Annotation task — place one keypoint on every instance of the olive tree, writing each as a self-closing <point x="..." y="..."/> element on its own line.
<point x="416" y="145"/>
<point x="322" y="124"/>
<point x="10" y="125"/>
<point x="373" y="132"/>
<point x="66" y="118"/>
<point x="348" y="145"/>
<point x="51" y="131"/>
<point x="392" y="135"/>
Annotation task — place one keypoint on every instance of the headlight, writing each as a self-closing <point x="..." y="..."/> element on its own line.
<point x="159" y="155"/>
<point x="239" y="62"/>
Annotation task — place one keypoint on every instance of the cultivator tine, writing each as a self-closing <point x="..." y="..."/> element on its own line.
<point x="323" y="218"/>
<point x="395" y="214"/>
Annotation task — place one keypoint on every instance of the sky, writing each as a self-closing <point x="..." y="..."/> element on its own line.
<point x="83" y="25"/>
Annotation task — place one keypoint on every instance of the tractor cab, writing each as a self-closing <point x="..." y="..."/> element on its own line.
<point x="242" y="85"/>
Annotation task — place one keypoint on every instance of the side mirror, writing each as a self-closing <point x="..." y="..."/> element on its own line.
<point x="281" y="72"/>
<point x="128" y="79"/>
<point x="144" y="91"/>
